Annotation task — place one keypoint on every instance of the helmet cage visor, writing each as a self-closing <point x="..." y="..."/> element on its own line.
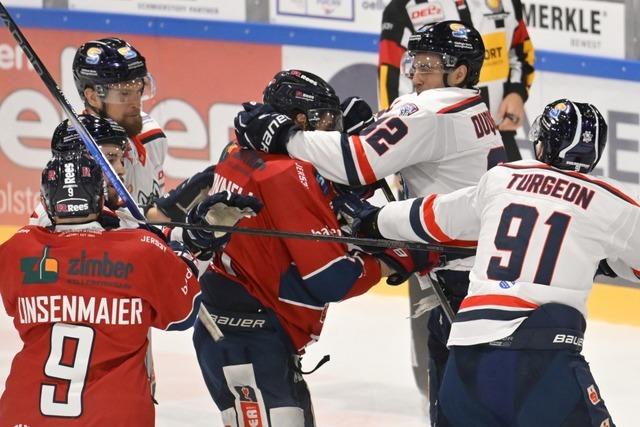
<point x="129" y="92"/>
<point x="435" y="63"/>
<point x="325" y="119"/>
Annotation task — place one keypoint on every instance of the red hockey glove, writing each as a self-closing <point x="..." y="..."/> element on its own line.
<point x="405" y="262"/>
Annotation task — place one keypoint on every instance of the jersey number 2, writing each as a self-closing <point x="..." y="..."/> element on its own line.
<point x="518" y="243"/>
<point x="393" y="131"/>
<point x="72" y="368"/>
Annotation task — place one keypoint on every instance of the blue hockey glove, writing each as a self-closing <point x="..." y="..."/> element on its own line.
<point x="222" y="208"/>
<point x="177" y="203"/>
<point x="405" y="262"/>
<point x="360" y="215"/>
<point x="260" y="127"/>
<point x="356" y="115"/>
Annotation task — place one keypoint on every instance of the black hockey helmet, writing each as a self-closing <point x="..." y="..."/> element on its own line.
<point x="72" y="185"/>
<point x="569" y="135"/>
<point x="104" y="131"/>
<point x="103" y="63"/>
<point x="458" y="44"/>
<point x="297" y="91"/>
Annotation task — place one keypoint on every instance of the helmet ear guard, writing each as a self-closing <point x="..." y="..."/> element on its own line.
<point x="569" y="135"/>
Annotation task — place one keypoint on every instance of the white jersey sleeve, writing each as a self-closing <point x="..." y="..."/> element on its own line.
<point x="441" y="218"/>
<point x="440" y="136"/>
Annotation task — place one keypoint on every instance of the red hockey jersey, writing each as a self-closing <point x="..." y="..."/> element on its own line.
<point x="83" y="300"/>
<point x="295" y="278"/>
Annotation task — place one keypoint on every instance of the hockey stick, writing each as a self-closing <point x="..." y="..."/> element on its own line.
<point x="55" y="91"/>
<point x="436" y="285"/>
<point x="359" y="241"/>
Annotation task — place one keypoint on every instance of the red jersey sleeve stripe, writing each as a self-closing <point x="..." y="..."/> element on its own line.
<point x="363" y="162"/>
<point x="390" y="53"/>
<point x="501" y="300"/>
<point x="520" y="34"/>
<point x="150" y="135"/>
<point x="429" y="218"/>
<point x="462" y="105"/>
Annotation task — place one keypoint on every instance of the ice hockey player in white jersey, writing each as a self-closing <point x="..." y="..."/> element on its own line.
<point x="440" y="138"/>
<point x="113" y="81"/>
<point x="543" y="229"/>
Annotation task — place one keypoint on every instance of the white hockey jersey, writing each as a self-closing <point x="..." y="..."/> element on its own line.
<point x="540" y="233"/>
<point x="144" y="163"/>
<point x="441" y="140"/>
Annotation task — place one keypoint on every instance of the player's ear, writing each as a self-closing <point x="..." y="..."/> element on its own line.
<point x="300" y="120"/>
<point x="459" y="75"/>
<point x="92" y="97"/>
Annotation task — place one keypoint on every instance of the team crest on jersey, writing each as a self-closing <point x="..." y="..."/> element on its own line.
<point x="42" y="269"/>
<point x="93" y="55"/>
<point x="504" y="284"/>
<point x="408" y="109"/>
<point x="459" y="30"/>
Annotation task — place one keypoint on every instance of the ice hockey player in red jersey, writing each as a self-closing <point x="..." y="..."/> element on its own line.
<point x="543" y="228"/>
<point x="270" y="296"/>
<point x="83" y="299"/>
<point x="113" y="81"/>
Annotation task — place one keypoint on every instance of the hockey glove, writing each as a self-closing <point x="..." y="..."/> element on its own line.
<point x="360" y="215"/>
<point x="356" y="115"/>
<point x="222" y="208"/>
<point x="260" y="127"/>
<point x="177" y="203"/>
<point x="405" y="262"/>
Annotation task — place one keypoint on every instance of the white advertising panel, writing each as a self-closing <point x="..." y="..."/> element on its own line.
<point x="22" y="3"/>
<point x="363" y="16"/>
<point x="200" y="9"/>
<point x="577" y="26"/>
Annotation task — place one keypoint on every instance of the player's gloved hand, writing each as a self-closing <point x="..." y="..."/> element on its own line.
<point x="605" y="270"/>
<point x="177" y="203"/>
<point x="224" y="208"/>
<point x="405" y="262"/>
<point x="356" y="115"/>
<point x="260" y="127"/>
<point x="360" y="215"/>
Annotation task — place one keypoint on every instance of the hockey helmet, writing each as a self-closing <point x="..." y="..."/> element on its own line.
<point x="103" y="130"/>
<point x="112" y="63"/>
<point x="456" y="43"/>
<point x="569" y="135"/>
<point x="72" y="185"/>
<point x="296" y="91"/>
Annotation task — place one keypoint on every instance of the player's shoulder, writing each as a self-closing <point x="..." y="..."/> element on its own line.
<point x="151" y="130"/>
<point x="26" y="235"/>
<point x="441" y="101"/>
<point x="137" y="240"/>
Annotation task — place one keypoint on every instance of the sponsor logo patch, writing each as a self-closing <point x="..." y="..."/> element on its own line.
<point x="593" y="394"/>
<point x="42" y="269"/>
<point x="408" y="109"/>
